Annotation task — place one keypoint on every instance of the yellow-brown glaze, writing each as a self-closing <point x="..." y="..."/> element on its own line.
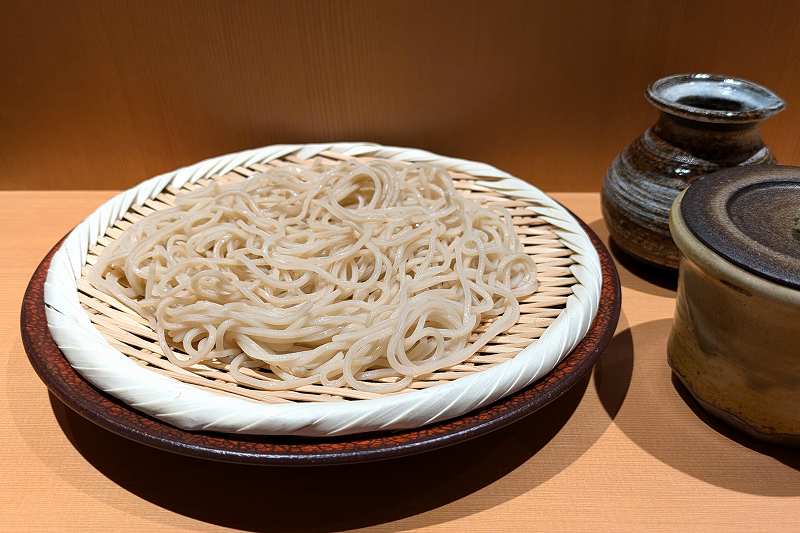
<point x="734" y="341"/>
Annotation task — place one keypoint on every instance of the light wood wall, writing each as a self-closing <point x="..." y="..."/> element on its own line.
<point x="103" y="94"/>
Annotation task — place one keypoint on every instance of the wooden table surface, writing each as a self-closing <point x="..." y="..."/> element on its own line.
<point x="623" y="451"/>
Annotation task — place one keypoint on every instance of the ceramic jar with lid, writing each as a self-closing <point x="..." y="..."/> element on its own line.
<point x="708" y="122"/>
<point x="735" y="342"/>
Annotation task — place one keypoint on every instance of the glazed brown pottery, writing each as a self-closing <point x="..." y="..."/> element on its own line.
<point x="734" y="342"/>
<point x="707" y="123"/>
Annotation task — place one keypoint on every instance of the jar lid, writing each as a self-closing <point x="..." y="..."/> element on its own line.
<point x="751" y="217"/>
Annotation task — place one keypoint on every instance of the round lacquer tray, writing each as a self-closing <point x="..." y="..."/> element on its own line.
<point x="113" y="415"/>
<point x="58" y="303"/>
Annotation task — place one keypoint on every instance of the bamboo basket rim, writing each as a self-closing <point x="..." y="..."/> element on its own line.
<point x="552" y="245"/>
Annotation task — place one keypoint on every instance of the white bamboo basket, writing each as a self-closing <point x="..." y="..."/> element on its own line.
<point x="116" y="350"/>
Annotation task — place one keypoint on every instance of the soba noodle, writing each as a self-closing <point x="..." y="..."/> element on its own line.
<point x="362" y="275"/>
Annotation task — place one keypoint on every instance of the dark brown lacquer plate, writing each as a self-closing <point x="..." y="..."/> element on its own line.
<point x="115" y="416"/>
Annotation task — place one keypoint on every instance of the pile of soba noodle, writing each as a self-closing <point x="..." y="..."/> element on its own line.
<point x="362" y="275"/>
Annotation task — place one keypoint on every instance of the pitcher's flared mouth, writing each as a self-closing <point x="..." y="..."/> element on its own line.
<point x="714" y="98"/>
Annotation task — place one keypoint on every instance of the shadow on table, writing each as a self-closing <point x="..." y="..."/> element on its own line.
<point x="613" y="371"/>
<point x="784" y="454"/>
<point x="663" y="419"/>
<point x="331" y="498"/>
<point x="634" y="273"/>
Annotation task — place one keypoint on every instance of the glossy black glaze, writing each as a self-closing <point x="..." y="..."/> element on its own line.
<point x="749" y="216"/>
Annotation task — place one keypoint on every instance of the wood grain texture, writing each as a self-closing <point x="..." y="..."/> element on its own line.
<point x="104" y="93"/>
<point x="623" y="453"/>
